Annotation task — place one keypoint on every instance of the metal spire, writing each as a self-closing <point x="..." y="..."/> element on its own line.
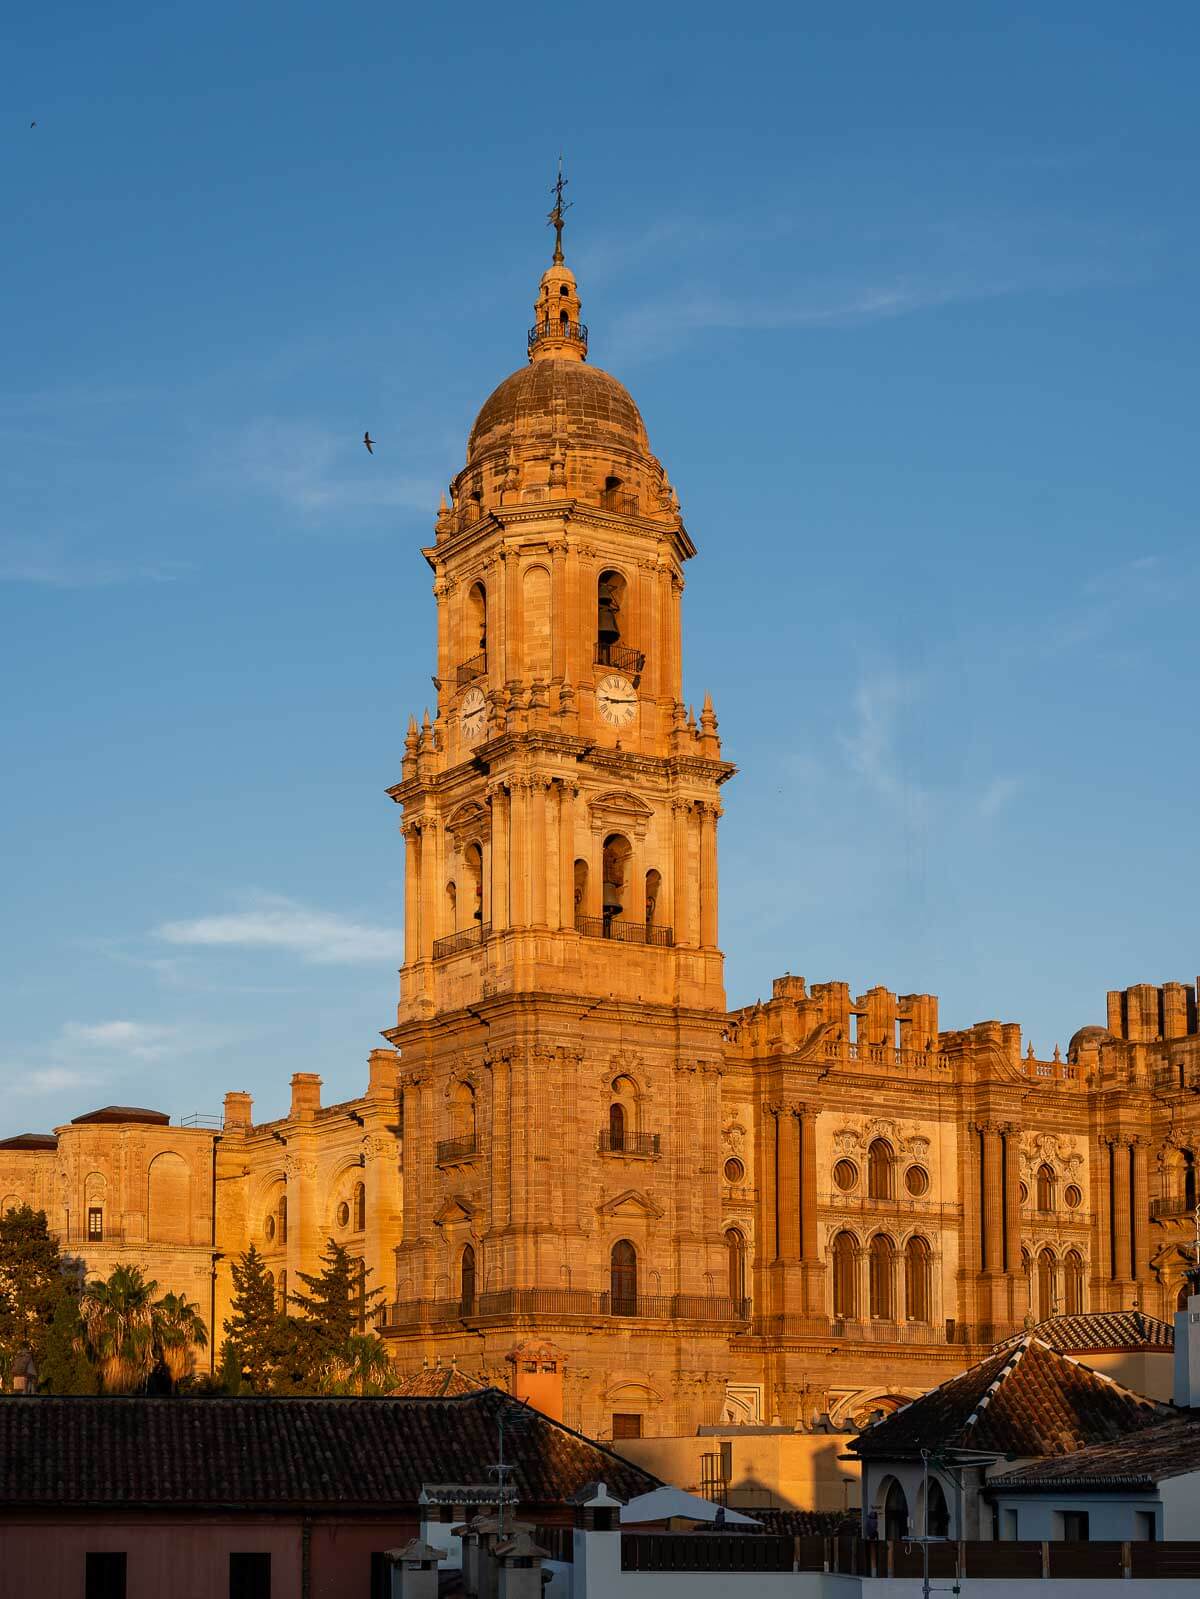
<point x="556" y="217"/>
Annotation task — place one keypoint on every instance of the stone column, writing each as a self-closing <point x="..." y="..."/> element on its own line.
<point x="518" y="866"/>
<point x="566" y="855"/>
<point x="814" y="1268"/>
<point x="500" y="809"/>
<point x="560" y="625"/>
<point x="993" y="1200"/>
<point x="1122" y="1244"/>
<point x="789" y="1185"/>
<point x="412" y="891"/>
<point x="1141" y="1219"/>
<point x="1012" y="1199"/>
<point x="708" y="875"/>
<point x="768" y="1232"/>
<point x="681" y="887"/>
<point x="538" y="851"/>
<point x="594" y="899"/>
<point x="430" y="871"/>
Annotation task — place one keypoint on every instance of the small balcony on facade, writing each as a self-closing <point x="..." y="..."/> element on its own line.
<point x="621" y="657"/>
<point x="582" y="1303"/>
<point x="1171" y="1205"/>
<point x="619" y="500"/>
<point x="540" y="331"/>
<point x="468" y="938"/>
<point x="624" y="932"/>
<point x="613" y="1141"/>
<point x="470" y="671"/>
<point x="453" y="1151"/>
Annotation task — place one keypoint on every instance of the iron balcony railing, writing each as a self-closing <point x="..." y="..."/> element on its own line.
<point x="619" y="500"/>
<point x="612" y="1143"/>
<point x="475" y="667"/>
<point x="515" y="1302"/>
<point x="557" y="330"/>
<point x="455" y="1149"/>
<point x="620" y="656"/>
<point x="1172" y="1205"/>
<point x="624" y="932"/>
<point x="469" y="938"/>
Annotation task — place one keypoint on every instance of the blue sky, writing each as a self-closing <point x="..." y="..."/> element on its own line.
<point x="907" y="296"/>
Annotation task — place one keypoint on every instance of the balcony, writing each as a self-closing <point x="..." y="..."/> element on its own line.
<point x="624" y="932"/>
<point x="455" y="943"/>
<point x="1173" y="1205"/>
<point x="619" y="500"/>
<point x="451" y="1151"/>
<point x="558" y="330"/>
<point x="549" y="1303"/>
<point x="621" y="657"/>
<point x="476" y="667"/>
<point x="613" y="1143"/>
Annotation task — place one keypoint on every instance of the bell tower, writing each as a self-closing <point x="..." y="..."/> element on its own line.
<point x="559" y="813"/>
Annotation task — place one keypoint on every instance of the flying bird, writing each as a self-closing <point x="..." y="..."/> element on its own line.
<point x="33" y="124"/>
<point x="369" y="442"/>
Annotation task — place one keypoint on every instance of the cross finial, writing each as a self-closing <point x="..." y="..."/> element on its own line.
<point x="561" y="207"/>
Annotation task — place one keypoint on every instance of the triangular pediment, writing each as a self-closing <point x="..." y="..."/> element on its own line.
<point x="632" y="1202"/>
<point x="456" y="1208"/>
<point x="623" y="803"/>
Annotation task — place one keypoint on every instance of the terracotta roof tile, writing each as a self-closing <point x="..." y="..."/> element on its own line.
<point x="347" y="1453"/>
<point x="1024" y="1399"/>
<point x="1154" y="1453"/>
<point x="1099" y="1330"/>
<point x="438" y="1382"/>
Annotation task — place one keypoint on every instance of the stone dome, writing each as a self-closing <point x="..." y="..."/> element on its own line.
<point x="1088" y="1037"/>
<point x="563" y="397"/>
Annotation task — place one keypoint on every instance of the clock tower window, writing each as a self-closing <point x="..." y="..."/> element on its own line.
<point x="617" y="854"/>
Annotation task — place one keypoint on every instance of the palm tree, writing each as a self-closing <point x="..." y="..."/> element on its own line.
<point x="363" y="1367"/>
<point x="118" y="1329"/>
<point x="178" y="1333"/>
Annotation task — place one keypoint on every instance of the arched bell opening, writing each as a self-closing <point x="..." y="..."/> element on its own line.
<point x="472" y="909"/>
<point x="617" y="855"/>
<point x="477" y="619"/>
<point x="653" y="890"/>
<point x="610" y="601"/>
<point x="623" y="1278"/>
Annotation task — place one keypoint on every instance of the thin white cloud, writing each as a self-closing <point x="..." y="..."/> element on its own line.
<point x="313" y="469"/>
<point x="321" y="938"/>
<point x="998" y="794"/>
<point x="46" y="1080"/>
<point x="142" y="1040"/>
<point x="871" y="745"/>
<point x="52" y="563"/>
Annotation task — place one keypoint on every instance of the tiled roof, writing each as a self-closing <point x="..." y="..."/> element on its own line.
<point x="1098" y="1330"/>
<point x="1168" y="1450"/>
<point x="804" y="1523"/>
<point x="1025" y="1399"/>
<point x="30" y="1141"/>
<point x="180" y="1454"/>
<point x="438" y="1382"/>
<point x="123" y="1113"/>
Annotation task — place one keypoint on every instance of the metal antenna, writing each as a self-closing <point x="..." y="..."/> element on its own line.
<point x="561" y="207"/>
<point x="517" y="1420"/>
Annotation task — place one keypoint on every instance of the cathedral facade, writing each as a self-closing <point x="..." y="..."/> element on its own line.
<point x="570" y="1146"/>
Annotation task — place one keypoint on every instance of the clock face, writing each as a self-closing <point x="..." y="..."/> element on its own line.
<point x="616" y="700"/>
<point x="473" y="716"/>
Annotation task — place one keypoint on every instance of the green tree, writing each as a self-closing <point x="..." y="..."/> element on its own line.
<point x="250" y="1332"/>
<point x="65" y="1368"/>
<point x="365" y="1368"/>
<point x="338" y="1300"/>
<point x="31" y="1284"/>
<point x="118" y="1318"/>
<point x="178" y="1334"/>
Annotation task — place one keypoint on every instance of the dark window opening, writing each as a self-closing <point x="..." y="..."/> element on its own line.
<point x="104" y="1574"/>
<point x="623" y="1278"/>
<point x="466" y="1303"/>
<point x="95" y="1221"/>
<point x="381" y="1575"/>
<point x="626" y="1425"/>
<point x="250" y="1576"/>
<point x="616" y="1127"/>
<point x="1075" y="1526"/>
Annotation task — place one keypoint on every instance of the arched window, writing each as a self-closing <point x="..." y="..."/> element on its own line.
<point x="466" y="1291"/>
<point x="617" y="853"/>
<point x="653" y="889"/>
<point x="462" y="1114"/>
<point x="610" y="598"/>
<point x="477" y="620"/>
<point x="581" y="888"/>
<point x="360" y="1207"/>
<point x="735" y="1244"/>
<point x="895" y="1512"/>
<point x="1047" y="1299"/>
<point x="845" y="1277"/>
<point x="1073" y="1282"/>
<point x="1047" y="1188"/>
<point x="882" y="1261"/>
<point x="937" y="1511"/>
<point x="918" y="1283"/>
<point x="281" y="1220"/>
<point x="623" y="1278"/>
<point x="616" y="1125"/>
<point x="472" y="908"/>
<point x="880" y="1167"/>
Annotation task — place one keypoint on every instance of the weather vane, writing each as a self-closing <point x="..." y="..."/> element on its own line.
<point x="555" y="219"/>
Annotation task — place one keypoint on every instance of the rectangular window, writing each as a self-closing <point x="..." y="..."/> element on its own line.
<point x="104" y="1574"/>
<point x="626" y="1426"/>
<point x="250" y="1576"/>
<point x="1075" y="1526"/>
<point x="1010" y="1526"/>
<point x="95" y="1221"/>
<point x="381" y="1576"/>
<point x="1145" y="1525"/>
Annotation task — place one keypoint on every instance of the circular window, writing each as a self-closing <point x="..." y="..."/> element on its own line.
<point x="343" y="1214"/>
<point x="845" y="1174"/>
<point x="269" y="1229"/>
<point x="734" y="1170"/>
<point x="916" y="1180"/>
<point x="1073" y="1197"/>
<point x="1024" y="1193"/>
